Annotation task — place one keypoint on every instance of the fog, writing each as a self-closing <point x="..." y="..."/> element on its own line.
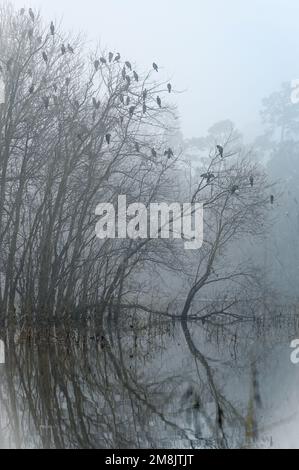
<point x="223" y="56"/>
<point x="149" y="218"/>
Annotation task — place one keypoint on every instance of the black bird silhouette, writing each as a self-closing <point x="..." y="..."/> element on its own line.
<point x="272" y="199"/>
<point x="131" y="110"/>
<point x="128" y="80"/>
<point x="103" y="60"/>
<point x="220" y="150"/>
<point x="251" y="179"/>
<point x="144" y="94"/>
<point x="31" y="14"/>
<point x="155" y="67"/>
<point x="95" y="103"/>
<point x="144" y="108"/>
<point x="154" y="153"/>
<point x="46" y="101"/>
<point x="168" y="153"/>
<point x="234" y="189"/>
<point x="70" y="49"/>
<point x="169" y="87"/>
<point x="128" y="64"/>
<point x="52" y="28"/>
<point x="45" y="57"/>
<point x="31" y="89"/>
<point x="136" y="77"/>
<point x="63" y="49"/>
<point x="159" y="101"/>
<point x="110" y="56"/>
<point x="22" y="11"/>
<point x="207" y="176"/>
<point x="117" y="57"/>
<point x="108" y="138"/>
<point x="96" y="64"/>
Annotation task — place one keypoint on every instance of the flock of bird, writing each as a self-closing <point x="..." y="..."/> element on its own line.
<point x="235" y="188"/>
<point x="115" y="58"/>
<point x="128" y="66"/>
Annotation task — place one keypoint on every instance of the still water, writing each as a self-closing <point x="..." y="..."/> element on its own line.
<point x="145" y="387"/>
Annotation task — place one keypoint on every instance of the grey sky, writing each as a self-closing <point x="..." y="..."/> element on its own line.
<point x="226" y="54"/>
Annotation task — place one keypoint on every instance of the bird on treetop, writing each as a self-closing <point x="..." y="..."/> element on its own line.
<point x="220" y="150"/>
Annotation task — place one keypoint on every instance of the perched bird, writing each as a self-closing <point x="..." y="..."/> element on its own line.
<point x="31" y="14"/>
<point x="135" y="75"/>
<point x="220" y="150"/>
<point x="137" y="147"/>
<point x="96" y="64"/>
<point x="131" y="110"/>
<point x="110" y="56"/>
<point x="52" y="28"/>
<point x="144" y="108"/>
<point x="46" y="101"/>
<point x="45" y="57"/>
<point x="108" y="138"/>
<point x="169" y="87"/>
<point x="207" y="176"/>
<point x="63" y="49"/>
<point x="128" y="100"/>
<point x="234" y="189"/>
<point x="31" y="89"/>
<point x="96" y="104"/>
<point x="123" y="73"/>
<point x="144" y="94"/>
<point x="103" y="60"/>
<point x="128" y="64"/>
<point x="168" y="153"/>
<point x="117" y="57"/>
<point x="159" y="101"/>
<point x="154" y="153"/>
<point x="128" y="80"/>
<point x="272" y="199"/>
<point x="251" y="179"/>
<point x="22" y="11"/>
<point x="155" y="67"/>
<point x="70" y="49"/>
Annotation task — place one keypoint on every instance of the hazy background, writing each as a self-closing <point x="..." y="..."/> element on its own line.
<point x="225" y="55"/>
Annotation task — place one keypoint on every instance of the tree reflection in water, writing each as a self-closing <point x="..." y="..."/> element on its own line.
<point x="134" y="388"/>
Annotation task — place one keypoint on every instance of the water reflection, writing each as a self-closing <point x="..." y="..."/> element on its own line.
<point x="136" y="388"/>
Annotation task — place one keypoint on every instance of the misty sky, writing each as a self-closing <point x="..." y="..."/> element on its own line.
<point x="225" y="54"/>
